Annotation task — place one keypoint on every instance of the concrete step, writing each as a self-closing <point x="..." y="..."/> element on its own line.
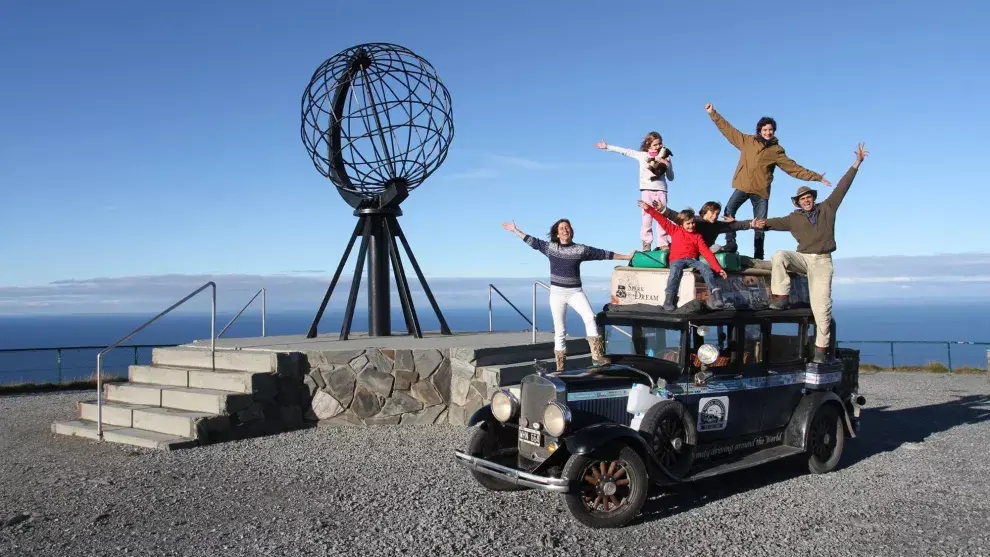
<point x="123" y="435"/>
<point x="114" y="413"/>
<point x="511" y="374"/>
<point x="234" y="360"/>
<point x="503" y="355"/>
<point x="183" y="423"/>
<point x="220" y="380"/>
<point x="211" y="401"/>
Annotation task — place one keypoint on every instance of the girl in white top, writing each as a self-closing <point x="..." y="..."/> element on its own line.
<point x="655" y="168"/>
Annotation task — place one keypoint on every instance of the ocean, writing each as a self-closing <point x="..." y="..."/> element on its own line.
<point x="856" y="322"/>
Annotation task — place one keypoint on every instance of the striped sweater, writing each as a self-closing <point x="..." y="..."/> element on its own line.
<point x="565" y="260"/>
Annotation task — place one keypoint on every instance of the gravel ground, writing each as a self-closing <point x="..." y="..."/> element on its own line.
<point x="916" y="482"/>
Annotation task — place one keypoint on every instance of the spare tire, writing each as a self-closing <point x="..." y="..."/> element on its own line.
<point x="673" y="437"/>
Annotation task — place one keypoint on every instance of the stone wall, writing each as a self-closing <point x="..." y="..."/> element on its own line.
<point x="378" y="386"/>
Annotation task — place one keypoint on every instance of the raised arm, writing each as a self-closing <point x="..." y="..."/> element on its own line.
<point x="796" y="170"/>
<point x="843" y="186"/>
<point x="535" y="243"/>
<point x="735" y="137"/>
<point x="664" y="223"/>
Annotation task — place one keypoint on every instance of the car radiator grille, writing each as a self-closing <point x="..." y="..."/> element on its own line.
<point x="613" y="409"/>
<point x="535" y="396"/>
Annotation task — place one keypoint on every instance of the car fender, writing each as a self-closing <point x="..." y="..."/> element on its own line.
<point x="484" y="414"/>
<point x="584" y="441"/>
<point x="587" y="439"/>
<point x="796" y="434"/>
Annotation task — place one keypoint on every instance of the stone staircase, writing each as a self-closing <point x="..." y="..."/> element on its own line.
<point x="180" y="400"/>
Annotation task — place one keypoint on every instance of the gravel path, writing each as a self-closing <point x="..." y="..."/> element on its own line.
<point x="916" y="482"/>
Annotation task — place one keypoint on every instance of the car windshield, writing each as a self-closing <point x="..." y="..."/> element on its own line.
<point x="655" y="341"/>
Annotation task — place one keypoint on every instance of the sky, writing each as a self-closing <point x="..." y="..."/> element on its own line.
<point x="142" y="139"/>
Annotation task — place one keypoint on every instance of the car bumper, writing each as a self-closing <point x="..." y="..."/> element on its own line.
<point x="512" y="475"/>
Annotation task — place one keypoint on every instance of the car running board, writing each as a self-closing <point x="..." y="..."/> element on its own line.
<point x="748" y="461"/>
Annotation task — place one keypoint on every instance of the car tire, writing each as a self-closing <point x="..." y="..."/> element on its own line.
<point x="625" y="486"/>
<point x="826" y="439"/>
<point x="663" y="425"/>
<point x="488" y="444"/>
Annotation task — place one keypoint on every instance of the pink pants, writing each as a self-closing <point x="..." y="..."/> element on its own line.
<point x="646" y="232"/>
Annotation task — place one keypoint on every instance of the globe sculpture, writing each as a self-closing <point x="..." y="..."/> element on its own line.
<point x="377" y="121"/>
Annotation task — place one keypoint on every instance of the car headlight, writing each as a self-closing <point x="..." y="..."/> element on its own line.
<point x="707" y="353"/>
<point x="556" y="416"/>
<point x="504" y="405"/>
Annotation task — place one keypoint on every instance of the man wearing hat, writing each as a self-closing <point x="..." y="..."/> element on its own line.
<point x="813" y="226"/>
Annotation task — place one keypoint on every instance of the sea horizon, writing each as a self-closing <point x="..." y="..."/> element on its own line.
<point x="859" y="321"/>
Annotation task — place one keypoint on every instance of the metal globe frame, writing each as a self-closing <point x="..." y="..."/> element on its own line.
<point x="377" y="121"/>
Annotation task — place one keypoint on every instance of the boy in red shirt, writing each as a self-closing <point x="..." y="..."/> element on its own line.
<point x="685" y="245"/>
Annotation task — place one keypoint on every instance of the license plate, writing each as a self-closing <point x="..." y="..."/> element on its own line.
<point x="531" y="436"/>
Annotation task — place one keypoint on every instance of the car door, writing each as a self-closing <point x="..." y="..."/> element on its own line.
<point x="785" y="361"/>
<point x="727" y="406"/>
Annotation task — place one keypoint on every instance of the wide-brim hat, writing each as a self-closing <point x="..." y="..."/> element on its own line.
<point x="801" y="191"/>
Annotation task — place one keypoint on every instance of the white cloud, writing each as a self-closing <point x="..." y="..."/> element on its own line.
<point x="873" y="278"/>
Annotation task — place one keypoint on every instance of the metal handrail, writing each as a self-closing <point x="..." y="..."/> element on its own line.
<point x="948" y="346"/>
<point x="264" y="311"/>
<point x="497" y="291"/>
<point x="535" y="283"/>
<point x="99" y="357"/>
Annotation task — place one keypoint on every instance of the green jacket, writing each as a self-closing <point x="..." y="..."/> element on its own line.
<point x="757" y="161"/>
<point x="816" y="239"/>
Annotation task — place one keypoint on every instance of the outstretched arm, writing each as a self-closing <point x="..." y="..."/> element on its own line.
<point x="620" y="150"/>
<point x="796" y="170"/>
<point x="735" y="137"/>
<point x="535" y="243"/>
<point x="843" y="186"/>
<point x="596" y="254"/>
<point x="779" y="223"/>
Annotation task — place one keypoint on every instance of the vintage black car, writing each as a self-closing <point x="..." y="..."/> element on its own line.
<point x="685" y="397"/>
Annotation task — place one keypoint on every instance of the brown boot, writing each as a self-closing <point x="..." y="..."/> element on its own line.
<point x="598" y="351"/>
<point x="560" y="355"/>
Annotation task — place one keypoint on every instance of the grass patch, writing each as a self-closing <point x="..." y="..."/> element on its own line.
<point x="82" y="384"/>
<point x="930" y="367"/>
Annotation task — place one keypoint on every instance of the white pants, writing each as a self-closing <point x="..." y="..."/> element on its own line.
<point x="818" y="268"/>
<point x="560" y="298"/>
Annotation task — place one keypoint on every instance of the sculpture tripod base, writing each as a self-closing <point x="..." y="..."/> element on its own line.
<point x="378" y="230"/>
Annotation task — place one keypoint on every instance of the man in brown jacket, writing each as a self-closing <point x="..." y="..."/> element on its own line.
<point x="759" y="155"/>
<point x="813" y="226"/>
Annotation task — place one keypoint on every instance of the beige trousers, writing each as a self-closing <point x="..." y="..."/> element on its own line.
<point x="818" y="268"/>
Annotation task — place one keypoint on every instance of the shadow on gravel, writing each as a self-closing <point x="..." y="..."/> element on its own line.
<point x="689" y="496"/>
<point x="882" y="430"/>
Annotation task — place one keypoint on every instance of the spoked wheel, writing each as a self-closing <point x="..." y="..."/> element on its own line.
<point x="609" y="486"/>
<point x="825" y="440"/>
<point x="490" y="442"/>
<point x="673" y="436"/>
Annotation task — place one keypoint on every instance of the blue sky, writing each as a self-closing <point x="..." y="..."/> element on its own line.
<point x="141" y="138"/>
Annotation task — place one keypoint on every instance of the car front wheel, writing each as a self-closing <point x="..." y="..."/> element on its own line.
<point x="491" y="442"/>
<point x="825" y="440"/>
<point x="610" y="486"/>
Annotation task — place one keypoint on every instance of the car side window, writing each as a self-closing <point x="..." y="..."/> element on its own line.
<point x="810" y="344"/>
<point x="785" y="342"/>
<point x="752" y="340"/>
